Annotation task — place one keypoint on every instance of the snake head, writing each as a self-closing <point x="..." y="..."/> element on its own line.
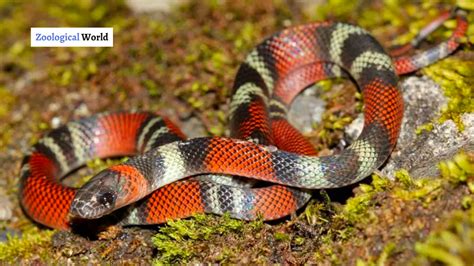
<point x="109" y="190"/>
<point x="97" y="197"/>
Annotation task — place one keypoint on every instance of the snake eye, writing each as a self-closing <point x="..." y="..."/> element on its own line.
<point x="107" y="199"/>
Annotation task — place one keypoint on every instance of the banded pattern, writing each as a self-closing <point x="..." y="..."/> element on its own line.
<point x="70" y="146"/>
<point x="263" y="145"/>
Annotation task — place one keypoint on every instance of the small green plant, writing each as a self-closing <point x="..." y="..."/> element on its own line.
<point x="451" y="245"/>
<point x="456" y="77"/>
<point x="33" y="242"/>
<point x="175" y="241"/>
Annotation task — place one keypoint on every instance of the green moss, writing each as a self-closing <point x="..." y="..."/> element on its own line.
<point x="7" y="100"/>
<point x="363" y="210"/>
<point x="452" y="244"/>
<point x="467" y="201"/>
<point x="458" y="170"/>
<point x="86" y="63"/>
<point x="331" y="124"/>
<point x="175" y="242"/>
<point x="456" y="77"/>
<point x="425" y="127"/>
<point x="355" y="210"/>
<point x="395" y="13"/>
<point x="382" y="258"/>
<point x="356" y="207"/>
<point x="455" y="171"/>
<point x="279" y="236"/>
<point x="298" y="241"/>
<point x="406" y="188"/>
<point x="151" y="87"/>
<point x="404" y="178"/>
<point x="387" y="251"/>
<point x="15" y="25"/>
<point x="6" y="134"/>
<point x="33" y="243"/>
<point x="339" y="9"/>
<point x="338" y="114"/>
<point x="424" y="189"/>
<point x="245" y="38"/>
<point x="220" y="128"/>
<point x="465" y="4"/>
<point x="313" y="212"/>
<point x="70" y="12"/>
<point x="328" y="254"/>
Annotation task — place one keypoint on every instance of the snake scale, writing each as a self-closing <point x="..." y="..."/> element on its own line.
<point x="171" y="177"/>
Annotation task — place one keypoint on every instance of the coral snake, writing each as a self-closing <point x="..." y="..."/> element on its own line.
<point x="262" y="146"/>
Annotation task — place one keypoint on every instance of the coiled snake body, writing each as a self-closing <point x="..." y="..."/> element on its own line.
<point x="263" y="145"/>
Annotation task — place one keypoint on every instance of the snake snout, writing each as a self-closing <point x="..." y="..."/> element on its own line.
<point x="93" y="206"/>
<point x="83" y="209"/>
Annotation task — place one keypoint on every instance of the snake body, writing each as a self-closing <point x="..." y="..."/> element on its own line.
<point x="262" y="146"/>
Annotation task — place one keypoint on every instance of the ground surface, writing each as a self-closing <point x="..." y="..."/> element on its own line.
<point x="182" y="61"/>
